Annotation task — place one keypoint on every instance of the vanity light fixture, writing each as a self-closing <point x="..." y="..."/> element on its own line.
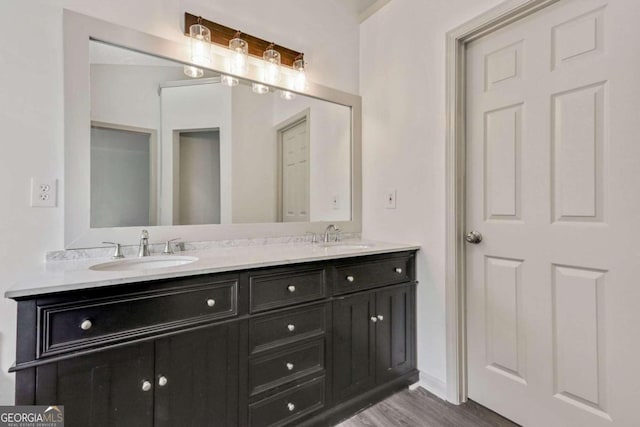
<point x="300" y="78"/>
<point x="239" y="55"/>
<point x="271" y="58"/>
<point x="275" y="65"/>
<point x="260" y="89"/>
<point x="229" y="80"/>
<point x="200" y="43"/>
<point x="289" y="96"/>
<point x="193" y="72"/>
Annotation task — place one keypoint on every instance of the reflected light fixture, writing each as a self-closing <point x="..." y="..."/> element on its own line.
<point x="259" y="88"/>
<point x="272" y="60"/>
<point x="239" y="55"/>
<point x="200" y="43"/>
<point x="193" y="72"/>
<point x="300" y="78"/>
<point x="229" y="80"/>
<point x="285" y="94"/>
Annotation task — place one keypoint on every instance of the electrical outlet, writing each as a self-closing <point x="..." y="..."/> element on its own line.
<point x="390" y="199"/>
<point x="335" y="202"/>
<point x="44" y="192"/>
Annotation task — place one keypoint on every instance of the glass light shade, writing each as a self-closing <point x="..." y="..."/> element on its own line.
<point x="229" y="81"/>
<point x="200" y="44"/>
<point x="239" y="56"/>
<point x="285" y="94"/>
<point x="259" y="88"/>
<point x="193" y="72"/>
<point x="300" y="78"/>
<point x="271" y="59"/>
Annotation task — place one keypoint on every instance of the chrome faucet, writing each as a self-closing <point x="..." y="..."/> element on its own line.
<point x="327" y="233"/>
<point x="143" y="250"/>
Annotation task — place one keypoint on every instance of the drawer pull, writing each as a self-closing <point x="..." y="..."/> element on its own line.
<point x="374" y="319"/>
<point x="86" y="325"/>
<point x="211" y="302"/>
<point x="146" y="385"/>
<point x="398" y="270"/>
<point x="291" y="327"/>
<point x="162" y="381"/>
<point x="291" y="407"/>
<point x="290" y="366"/>
<point x="350" y="278"/>
<point x="291" y="288"/>
<point x="380" y="317"/>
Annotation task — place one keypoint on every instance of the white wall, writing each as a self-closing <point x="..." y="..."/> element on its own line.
<point x="255" y="157"/>
<point x="31" y="102"/>
<point x="402" y="83"/>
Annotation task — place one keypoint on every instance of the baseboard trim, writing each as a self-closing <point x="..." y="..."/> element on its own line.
<point x="432" y="385"/>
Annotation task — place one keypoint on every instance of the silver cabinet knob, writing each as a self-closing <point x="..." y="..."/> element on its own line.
<point x="146" y="385"/>
<point x="398" y="270"/>
<point x="211" y="302"/>
<point x="291" y="288"/>
<point x="290" y="366"/>
<point x="350" y="278"/>
<point x="86" y="325"/>
<point x="162" y="381"/>
<point x="291" y="327"/>
<point x="374" y="319"/>
<point x="380" y="317"/>
<point x="291" y="406"/>
<point x="473" y="237"/>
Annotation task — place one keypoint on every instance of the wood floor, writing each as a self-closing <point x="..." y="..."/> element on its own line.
<point x="419" y="408"/>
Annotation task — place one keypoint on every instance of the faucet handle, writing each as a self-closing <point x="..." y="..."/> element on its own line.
<point x="168" y="250"/>
<point x="338" y="235"/>
<point x="314" y="237"/>
<point x="117" y="254"/>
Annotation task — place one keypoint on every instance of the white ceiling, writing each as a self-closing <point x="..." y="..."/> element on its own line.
<point x="365" y="8"/>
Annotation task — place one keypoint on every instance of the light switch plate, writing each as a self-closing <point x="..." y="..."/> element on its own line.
<point x="44" y="192"/>
<point x="390" y="199"/>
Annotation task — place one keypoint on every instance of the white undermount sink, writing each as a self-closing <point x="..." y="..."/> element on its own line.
<point x="346" y="245"/>
<point x="144" y="263"/>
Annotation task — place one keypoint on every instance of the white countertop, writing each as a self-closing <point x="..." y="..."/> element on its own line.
<point x="60" y="276"/>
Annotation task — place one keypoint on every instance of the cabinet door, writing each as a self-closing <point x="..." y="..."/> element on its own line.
<point x="353" y="346"/>
<point x="394" y="333"/>
<point x="196" y="382"/>
<point x="102" y="389"/>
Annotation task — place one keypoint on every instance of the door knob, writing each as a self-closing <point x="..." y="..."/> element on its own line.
<point x="146" y="385"/>
<point x="162" y="381"/>
<point x="473" y="237"/>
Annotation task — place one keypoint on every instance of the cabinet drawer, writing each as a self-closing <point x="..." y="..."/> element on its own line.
<point x="289" y="405"/>
<point x="277" y="368"/>
<point x="283" y="328"/>
<point x="71" y="326"/>
<point x="271" y="290"/>
<point x="371" y="274"/>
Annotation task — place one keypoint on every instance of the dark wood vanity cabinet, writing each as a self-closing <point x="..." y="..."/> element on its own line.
<point x="304" y="344"/>
<point x="373" y="339"/>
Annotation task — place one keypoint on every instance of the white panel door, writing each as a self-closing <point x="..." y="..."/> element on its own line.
<point x="295" y="173"/>
<point x="553" y="186"/>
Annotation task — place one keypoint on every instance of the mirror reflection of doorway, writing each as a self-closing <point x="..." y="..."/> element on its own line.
<point x="123" y="176"/>
<point x="294" y="149"/>
<point x="197" y="171"/>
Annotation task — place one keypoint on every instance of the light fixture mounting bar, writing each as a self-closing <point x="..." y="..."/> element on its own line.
<point x="221" y="35"/>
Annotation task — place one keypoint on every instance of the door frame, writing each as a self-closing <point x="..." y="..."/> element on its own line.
<point x="280" y="129"/>
<point x="500" y="16"/>
<point x="154" y="163"/>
